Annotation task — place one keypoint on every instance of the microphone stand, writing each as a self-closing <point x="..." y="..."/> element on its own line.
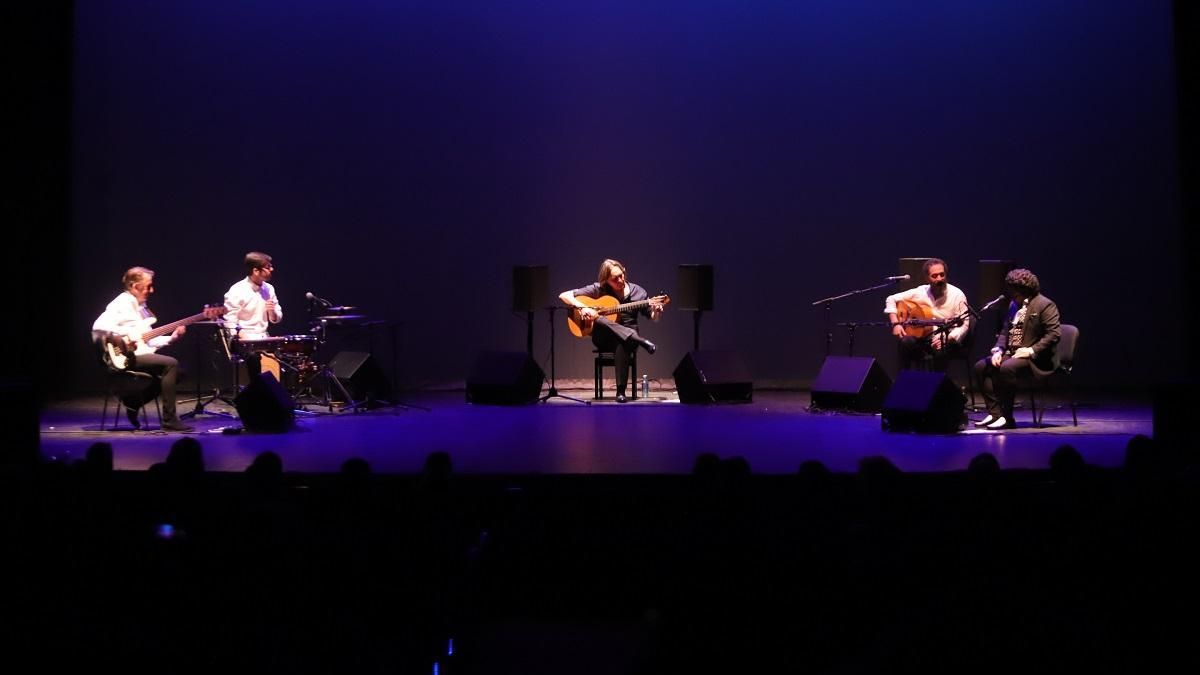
<point x="828" y="302"/>
<point x="201" y="403"/>
<point x="553" y="391"/>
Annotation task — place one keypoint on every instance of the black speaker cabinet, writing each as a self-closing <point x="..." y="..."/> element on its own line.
<point x="530" y="288"/>
<point x="361" y="375"/>
<point x="713" y="376"/>
<point x="265" y="406"/>
<point x="924" y="402"/>
<point x="694" y="288"/>
<point x="915" y="269"/>
<point x="850" y="383"/>
<point x="991" y="285"/>
<point x="504" y="378"/>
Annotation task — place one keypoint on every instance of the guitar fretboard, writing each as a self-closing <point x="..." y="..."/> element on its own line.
<point x="626" y="307"/>
<point x="163" y="330"/>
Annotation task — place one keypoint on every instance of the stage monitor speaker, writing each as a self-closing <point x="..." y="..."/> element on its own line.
<point x="264" y="405"/>
<point x="361" y="375"/>
<point x="713" y="376"/>
<point x="850" y="383"/>
<point x="504" y="378"/>
<point x="530" y="288"/>
<point x="694" y="288"/>
<point x="915" y="269"/>
<point x="925" y="402"/>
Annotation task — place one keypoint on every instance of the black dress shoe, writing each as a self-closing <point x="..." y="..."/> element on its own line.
<point x="176" y="425"/>
<point x="131" y="414"/>
<point x="621" y="398"/>
<point x="648" y="346"/>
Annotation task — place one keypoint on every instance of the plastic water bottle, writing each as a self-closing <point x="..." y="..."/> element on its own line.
<point x="645" y="386"/>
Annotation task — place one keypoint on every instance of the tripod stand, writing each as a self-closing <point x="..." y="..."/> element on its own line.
<point x="201" y="401"/>
<point x="553" y="391"/>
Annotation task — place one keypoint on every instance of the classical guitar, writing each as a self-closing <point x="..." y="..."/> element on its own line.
<point x="917" y="319"/>
<point x="119" y="348"/>
<point x="605" y="305"/>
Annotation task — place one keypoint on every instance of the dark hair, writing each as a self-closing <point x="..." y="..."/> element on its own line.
<point x="935" y="261"/>
<point x="256" y="260"/>
<point x="1024" y="281"/>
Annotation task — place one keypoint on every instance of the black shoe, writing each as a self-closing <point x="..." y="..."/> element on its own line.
<point x="621" y="398"/>
<point x="176" y="425"/>
<point x="648" y="346"/>
<point x="131" y="414"/>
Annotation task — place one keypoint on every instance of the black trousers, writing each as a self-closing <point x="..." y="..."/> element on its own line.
<point x="1000" y="384"/>
<point x="166" y="369"/>
<point x="914" y="352"/>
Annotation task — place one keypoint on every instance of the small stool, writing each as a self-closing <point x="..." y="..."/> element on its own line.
<point x="604" y="359"/>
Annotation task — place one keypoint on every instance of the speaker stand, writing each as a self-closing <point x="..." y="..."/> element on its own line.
<point x="696" y="330"/>
<point x="396" y="405"/>
<point x="553" y="391"/>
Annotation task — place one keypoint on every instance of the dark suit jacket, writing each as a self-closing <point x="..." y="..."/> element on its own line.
<point x="1042" y="330"/>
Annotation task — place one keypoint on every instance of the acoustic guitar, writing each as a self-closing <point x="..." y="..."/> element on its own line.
<point x="917" y="319"/>
<point x="605" y="305"/>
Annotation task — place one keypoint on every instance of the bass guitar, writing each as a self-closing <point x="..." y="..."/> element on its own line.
<point x="605" y="305"/>
<point x="118" y="349"/>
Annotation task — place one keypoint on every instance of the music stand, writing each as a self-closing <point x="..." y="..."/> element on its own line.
<point x="553" y="391"/>
<point x="201" y="402"/>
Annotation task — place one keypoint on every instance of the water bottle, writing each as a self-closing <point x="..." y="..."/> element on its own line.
<point x="645" y="386"/>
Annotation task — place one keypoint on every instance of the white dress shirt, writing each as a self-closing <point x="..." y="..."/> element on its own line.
<point x="951" y="305"/>
<point x="246" y="311"/>
<point x="126" y="316"/>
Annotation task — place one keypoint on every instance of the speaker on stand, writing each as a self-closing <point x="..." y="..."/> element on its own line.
<point x="531" y="292"/>
<point x="694" y="293"/>
<point x="915" y="269"/>
<point x="991" y="285"/>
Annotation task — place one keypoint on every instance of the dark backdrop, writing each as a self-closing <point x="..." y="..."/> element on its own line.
<point x="402" y="157"/>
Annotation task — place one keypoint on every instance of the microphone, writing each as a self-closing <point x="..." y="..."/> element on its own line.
<point x="322" y="301"/>
<point x="988" y="306"/>
<point x="902" y="277"/>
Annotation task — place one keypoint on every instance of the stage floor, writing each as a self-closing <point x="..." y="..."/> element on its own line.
<point x="775" y="433"/>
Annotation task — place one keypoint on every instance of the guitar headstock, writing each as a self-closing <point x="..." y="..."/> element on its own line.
<point x="214" y="311"/>
<point x="662" y="299"/>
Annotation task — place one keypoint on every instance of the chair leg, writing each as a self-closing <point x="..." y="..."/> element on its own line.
<point x="599" y="381"/>
<point x="104" y="412"/>
<point x="1037" y="419"/>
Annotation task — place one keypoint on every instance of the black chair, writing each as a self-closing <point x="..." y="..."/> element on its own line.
<point x="1066" y="347"/>
<point x="606" y="360"/>
<point x="120" y="382"/>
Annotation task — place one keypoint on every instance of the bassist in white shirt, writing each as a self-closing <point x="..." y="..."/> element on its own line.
<point x="125" y="324"/>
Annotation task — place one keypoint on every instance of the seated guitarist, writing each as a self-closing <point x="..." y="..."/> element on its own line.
<point x="938" y="300"/>
<point x="125" y="317"/>
<point x="620" y="336"/>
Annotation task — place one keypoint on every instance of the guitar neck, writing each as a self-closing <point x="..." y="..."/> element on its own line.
<point x="626" y="307"/>
<point x="170" y="327"/>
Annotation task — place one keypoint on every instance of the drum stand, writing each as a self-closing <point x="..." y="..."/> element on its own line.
<point x="201" y="402"/>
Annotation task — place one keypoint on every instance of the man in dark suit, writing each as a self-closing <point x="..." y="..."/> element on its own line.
<point x="1024" y="349"/>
